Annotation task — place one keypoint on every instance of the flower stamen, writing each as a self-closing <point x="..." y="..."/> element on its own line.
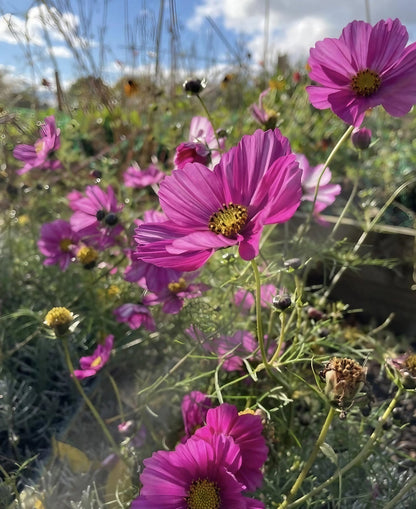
<point x="228" y="220"/>
<point x="365" y="82"/>
<point x="203" y="494"/>
<point x="178" y="286"/>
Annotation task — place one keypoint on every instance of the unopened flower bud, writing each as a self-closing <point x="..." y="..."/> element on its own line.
<point x="194" y="86"/>
<point x="315" y="314"/>
<point x="292" y="263"/>
<point x="281" y="302"/>
<point x="361" y="138"/>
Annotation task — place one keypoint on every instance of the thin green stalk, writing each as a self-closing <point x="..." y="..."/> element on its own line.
<point x="86" y="398"/>
<point x="260" y="333"/>
<point x="344" y="210"/>
<point x="364" y="235"/>
<point x="307" y="466"/>
<point x="209" y="118"/>
<point x="281" y="336"/>
<point x="361" y="456"/>
<point x="118" y="398"/>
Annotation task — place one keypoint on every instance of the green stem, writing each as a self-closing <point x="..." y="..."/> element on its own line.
<point x="86" y="398"/>
<point x="345" y="209"/>
<point x="118" y="398"/>
<point x="282" y="335"/>
<point x="209" y="118"/>
<point x="260" y="333"/>
<point x="363" y="454"/>
<point x="307" y="466"/>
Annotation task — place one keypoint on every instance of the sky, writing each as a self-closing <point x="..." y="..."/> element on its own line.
<point x="115" y="38"/>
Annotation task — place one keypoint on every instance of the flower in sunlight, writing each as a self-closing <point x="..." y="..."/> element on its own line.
<point x="91" y="364"/>
<point x="58" y="242"/>
<point x="42" y="153"/>
<point x="258" y="182"/>
<point x="366" y="67"/>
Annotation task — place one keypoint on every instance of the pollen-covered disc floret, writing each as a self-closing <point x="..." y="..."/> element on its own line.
<point x="59" y="319"/>
<point x="365" y="83"/>
<point x="203" y="494"/>
<point x="228" y="220"/>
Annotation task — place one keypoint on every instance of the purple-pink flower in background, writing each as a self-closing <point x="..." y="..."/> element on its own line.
<point x="198" y="473"/>
<point x="135" y="315"/>
<point x="41" y="154"/>
<point x="91" y="364"/>
<point x="258" y="182"/>
<point x="267" y="118"/>
<point x="202" y="145"/>
<point x="244" y="299"/>
<point x="366" y="67"/>
<point x="58" y="242"/>
<point x="138" y="178"/>
<point x="174" y="294"/>
<point x="194" y="407"/>
<point x="96" y="216"/>
<point x="246" y="430"/>
<point x="327" y="192"/>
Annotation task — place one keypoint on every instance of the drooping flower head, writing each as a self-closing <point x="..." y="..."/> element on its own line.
<point x="327" y="192"/>
<point x="197" y="474"/>
<point x="194" y="407"/>
<point x="96" y="216"/>
<point x="41" y="154"/>
<point x="138" y="178"/>
<point x="202" y="146"/>
<point x="256" y="183"/>
<point x="366" y="67"/>
<point x="91" y="364"/>
<point x="58" y="242"/>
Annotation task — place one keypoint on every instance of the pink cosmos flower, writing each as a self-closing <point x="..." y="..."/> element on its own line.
<point x="58" y="242"/>
<point x="197" y="471"/>
<point x="326" y="193"/>
<point x="138" y="178"/>
<point x="173" y="295"/>
<point x="93" y="363"/>
<point x="96" y="216"/>
<point x="135" y="315"/>
<point x="256" y="183"/>
<point x="202" y="146"/>
<point x="245" y="300"/>
<point x="366" y="67"/>
<point x="194" y="407"/>
<point x="246" y="431"/>
<point x="41" y="154"/>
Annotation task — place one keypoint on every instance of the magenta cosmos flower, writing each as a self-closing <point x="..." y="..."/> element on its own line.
<point x="41" y="154"/>
<point x="138" y="178"/>
<point x="256" y="183"/>
<point x="202" y="146"/>
<point x="198" y="473"/>
<point x="93" y="363"/>
<point x="58" y="242"/>
<point x="263" y="116"/>
<point x="194" y="407"/>
<point x="366" y="67"/>
<point x="246" y="431"/>
<point x="327" y="192"/>
<point x="96" y="217"/>
<point x="135" y="315"/>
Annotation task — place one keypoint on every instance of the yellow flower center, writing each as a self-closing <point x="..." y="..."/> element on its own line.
<point x="57" y="317"/>
<point x="247" y="411"/>
<point x="365" y="83"/>
<point x="96" y="362"/>
<point x="178" y="286"/>
<point x="229" y="220"/>
<point x="87" y="255"/>
<point x="410" y="364"/>
<point x="39" y="146"/>
<point x="64" y="245"/>
<point x="203" y="494"/>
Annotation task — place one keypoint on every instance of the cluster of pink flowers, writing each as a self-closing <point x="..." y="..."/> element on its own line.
<point x="218" y="465"/>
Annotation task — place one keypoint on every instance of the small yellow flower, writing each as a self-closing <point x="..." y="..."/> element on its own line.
<point x="87" y="256"/>
<point x="23" y="219"/>
<point x="59" y="319"/>
<point x="113" y="291"/>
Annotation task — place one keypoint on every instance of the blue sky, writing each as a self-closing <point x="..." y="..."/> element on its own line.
<point x="212" y="34"/>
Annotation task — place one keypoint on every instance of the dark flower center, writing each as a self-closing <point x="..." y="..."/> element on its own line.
<point x="100" y="215"/>
<point x="229" y="220"/>
<point x="365" y="83"/>
<point x="203" y="494"/>
<point x="111" y="219"/>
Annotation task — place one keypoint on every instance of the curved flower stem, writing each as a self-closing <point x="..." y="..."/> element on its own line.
<point x="86" y="398"/>
<point x="311" y="459"/>
<point x="118" y="398"/>
<point x="282" y="335"/>
<point x="365" y="233"/>
<point x="325" y="166"/>
<point x="363" y="454"/>
<point x="260" y="333"/>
